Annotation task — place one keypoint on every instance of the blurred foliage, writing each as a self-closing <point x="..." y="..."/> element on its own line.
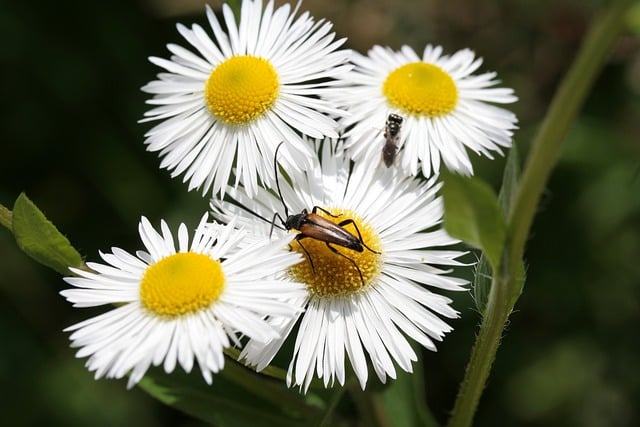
<point x="69" y="139"/>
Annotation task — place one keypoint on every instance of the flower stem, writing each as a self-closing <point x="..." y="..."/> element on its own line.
<point x="271" y="391"/>
<point x="369" y="409"/>
<point x="541" y="160"/>
<point x="331" y="407"/>
<point x="564" y="107"/>
<point x="482" y="356"/>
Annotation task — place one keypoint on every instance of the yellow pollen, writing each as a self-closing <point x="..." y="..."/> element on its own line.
<point x="241" y="89"/>
<point x="332" y="274"/>
<point x="182" y="283"/>
<point x="421" y="89"/>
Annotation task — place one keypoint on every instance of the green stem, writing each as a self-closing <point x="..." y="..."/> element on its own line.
<point x="336" y="397"/>
<point x="272" y="391"/>
<point x="6" y="218"/>
<point x="369" y="409"/>
<point x="542" y="158"/>
<point x="564" y="107"/>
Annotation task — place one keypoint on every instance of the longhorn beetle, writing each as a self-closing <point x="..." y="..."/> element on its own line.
<point x="313" y="226"/>
<point x="391" y="135"/>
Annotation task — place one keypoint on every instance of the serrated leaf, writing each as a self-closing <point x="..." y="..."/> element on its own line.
<point x="472" y="214"/>
<point x="224" y="403"/>
<point x="40" y="239"/>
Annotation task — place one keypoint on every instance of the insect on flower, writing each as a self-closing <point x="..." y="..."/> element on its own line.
<point x="311" y="225"/>
<point x="391" y="135"/>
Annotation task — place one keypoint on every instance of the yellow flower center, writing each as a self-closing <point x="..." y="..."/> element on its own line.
<point x="182" y="283"/>
<point x="421" y="89"/>
<point x="335" y="275"/>
<point x="241" y="89"/>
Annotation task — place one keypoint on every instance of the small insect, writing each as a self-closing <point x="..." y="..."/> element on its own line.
<point x="313" y="226"/>
<point x="391" y="135"/>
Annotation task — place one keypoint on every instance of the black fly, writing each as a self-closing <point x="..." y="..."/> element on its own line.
<point x="311" y="225"/>
<point x="391" y="135"/>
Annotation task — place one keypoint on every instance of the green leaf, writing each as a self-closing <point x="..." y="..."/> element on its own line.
<point x="483" y="273"/>
<point x="472" y="214"/>
<point x="482" y="283"/>
<point x="227" y="403"/>
<point x="521" y="278"/>
<point x="510" y="181"/>
<point x="40" y="239"/>
<point x="5" y="217"/>
<point x="633" y="19"/>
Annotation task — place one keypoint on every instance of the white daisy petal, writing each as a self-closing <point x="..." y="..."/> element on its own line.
<point x="442" y="103"/>
<point x="182" y="307"/>
<point x="211" y="128"/>
<point x="367" y="306"/>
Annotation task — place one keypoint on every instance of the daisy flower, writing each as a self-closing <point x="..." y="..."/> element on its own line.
<point x="180" y="306"/>
<point x="363" y="303"/>
<point x="445" y="108"/>
<point x="226" y="106"/>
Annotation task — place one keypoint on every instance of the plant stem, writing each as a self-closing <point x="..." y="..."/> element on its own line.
<point x="271" y="391"/>
<point x="564" y="107"/>
<point x="369" y="409"/>
<point x="541" y="160"/>
<point x="331" y="407"/>
<point x="483" y="354"/>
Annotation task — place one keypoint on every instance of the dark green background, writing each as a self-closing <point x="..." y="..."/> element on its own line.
<point x="71" y="73"/>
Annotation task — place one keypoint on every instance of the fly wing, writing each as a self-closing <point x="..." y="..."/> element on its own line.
<point x="389" y="152"/>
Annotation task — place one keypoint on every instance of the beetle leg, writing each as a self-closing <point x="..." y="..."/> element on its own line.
<point x="300" y="237"/>
<point x="273" y="222"/>
<point x="318" y="208"/>
<point x="350" y="221"/>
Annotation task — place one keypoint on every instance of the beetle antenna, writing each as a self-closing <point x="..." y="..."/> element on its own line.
<point x="275" y="168"/>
